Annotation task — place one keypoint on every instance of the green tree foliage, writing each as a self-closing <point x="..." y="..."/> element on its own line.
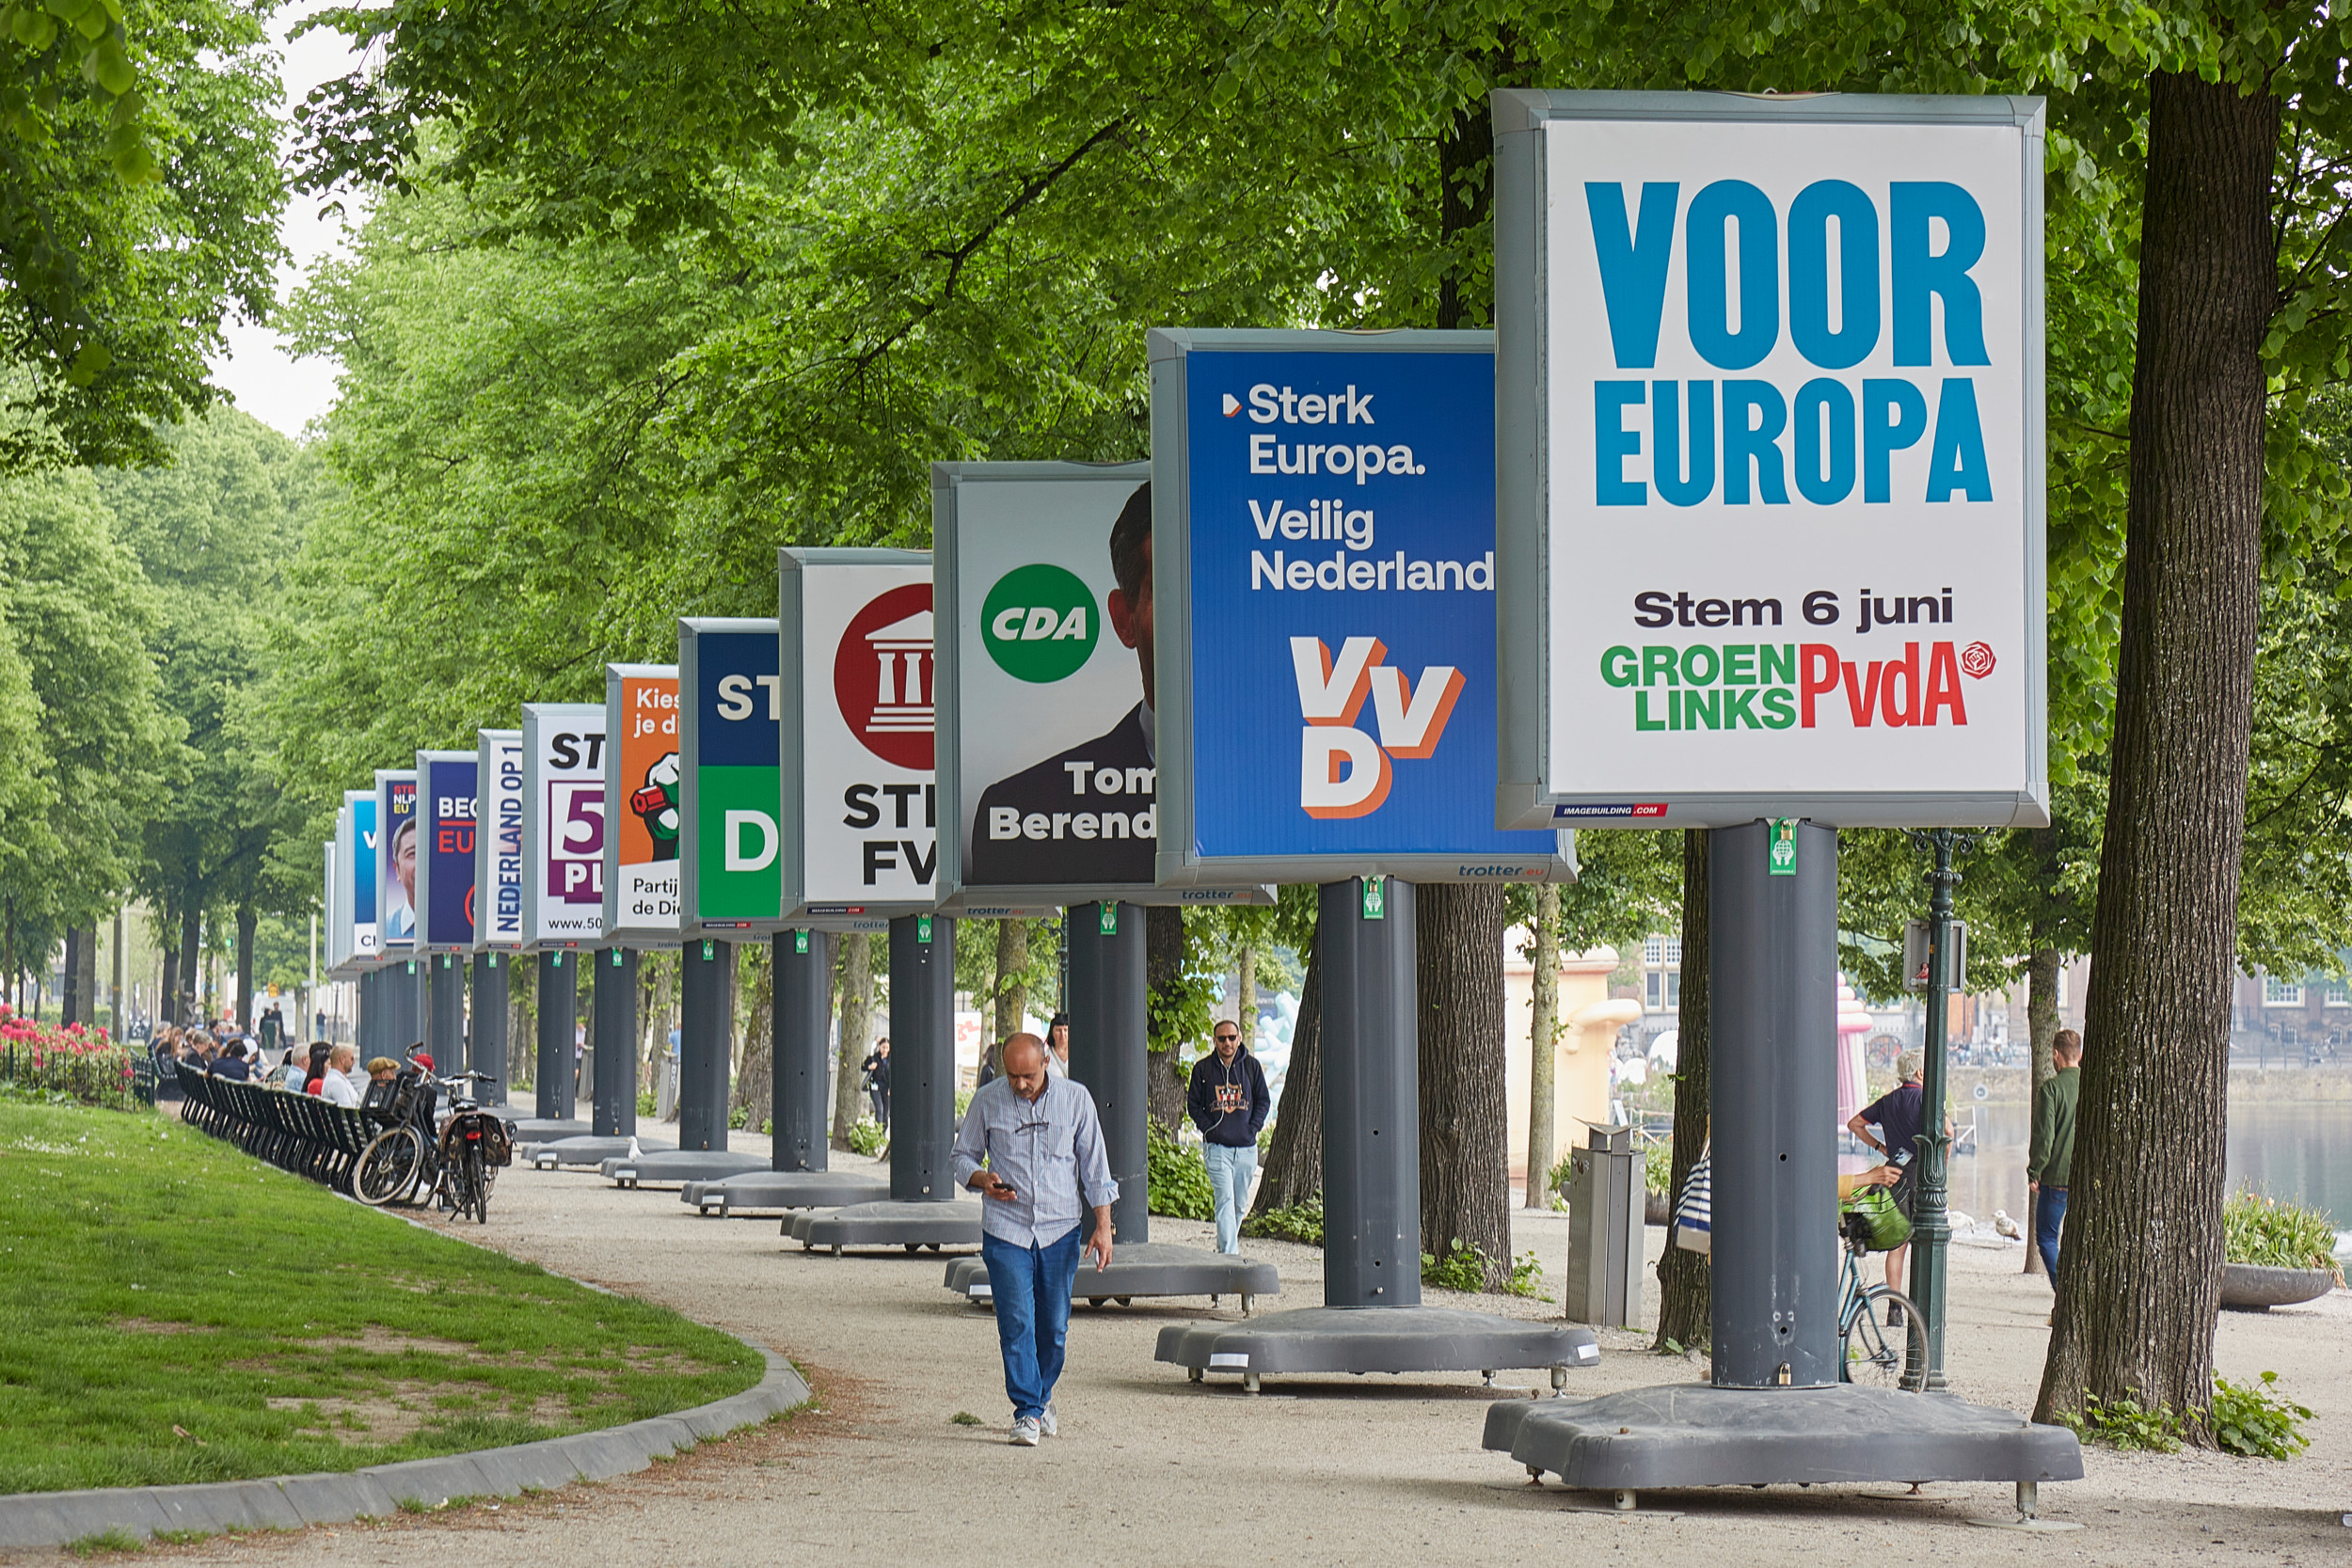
<point x="138" y="192"/>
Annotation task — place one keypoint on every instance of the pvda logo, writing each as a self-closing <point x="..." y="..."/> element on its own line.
<point x="1343" y="771"/>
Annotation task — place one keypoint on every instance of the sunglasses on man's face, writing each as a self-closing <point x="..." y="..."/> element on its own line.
<point x="1229" y="1039"/>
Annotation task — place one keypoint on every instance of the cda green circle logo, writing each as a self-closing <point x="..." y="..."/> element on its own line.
<point x="1039" y="622"/>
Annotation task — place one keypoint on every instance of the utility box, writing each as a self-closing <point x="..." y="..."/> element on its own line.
<point x="1915" y="976"/>
<point x="1606" y="1199"/>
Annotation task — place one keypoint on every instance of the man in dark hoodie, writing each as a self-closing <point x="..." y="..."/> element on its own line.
<point x="1230" y="1103"/>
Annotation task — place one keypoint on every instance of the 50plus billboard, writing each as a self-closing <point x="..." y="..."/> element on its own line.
<point x="1323" y="542"/>
<point x="562" y="824"/>
<point x="1772" y="501"/>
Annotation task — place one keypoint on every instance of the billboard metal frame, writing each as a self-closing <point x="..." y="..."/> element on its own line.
<point x="1522" y="477"/>
<point x="1171" y="350"/>
<point x="1023" y="900"/>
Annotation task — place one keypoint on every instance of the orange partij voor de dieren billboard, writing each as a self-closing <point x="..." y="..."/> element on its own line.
<point x="641" y="801"/>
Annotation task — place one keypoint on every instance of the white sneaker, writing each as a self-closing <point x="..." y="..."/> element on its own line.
<point x="1047" y="1425"/>
<point x="1024" y="1429"/>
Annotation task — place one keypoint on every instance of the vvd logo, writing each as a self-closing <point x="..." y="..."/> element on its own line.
<point x="1341" y="771"/>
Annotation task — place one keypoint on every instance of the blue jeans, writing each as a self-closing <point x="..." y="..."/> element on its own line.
<point x="1030" y="1286"/>
<point x="2049" y="1213"/>
<point x="1230" y="1170"/>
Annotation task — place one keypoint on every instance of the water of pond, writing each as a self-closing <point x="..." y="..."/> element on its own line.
<point x="2298" y="1152"/>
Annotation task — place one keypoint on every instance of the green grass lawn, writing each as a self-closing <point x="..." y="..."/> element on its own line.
<point x="171" y="1311"/>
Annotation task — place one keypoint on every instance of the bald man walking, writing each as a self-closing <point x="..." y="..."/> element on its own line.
<point x="1031" y="1146"/>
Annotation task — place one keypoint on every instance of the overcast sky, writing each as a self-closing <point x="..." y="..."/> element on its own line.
<point x="265" y="380"/>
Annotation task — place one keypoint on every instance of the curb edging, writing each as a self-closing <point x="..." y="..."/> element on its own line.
<point x="294" y="1502"/>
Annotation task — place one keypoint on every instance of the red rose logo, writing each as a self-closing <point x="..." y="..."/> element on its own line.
<point x="1976" y="661"/>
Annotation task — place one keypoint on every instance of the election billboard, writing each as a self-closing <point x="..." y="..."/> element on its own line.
<point x="356" y="824"/>
<point x="445" y="852"/>
<point x="1772" y="482"/>
<point x="859" y="813"/>
<point x="396" y="861"/>
<point x="641" y="805"/>
<point x="1323" y="534"/>
<point x="562" y="824"/>
<point x="731" y="852"/>
<point x="499" y="848"/>
<point x="1047" y="751"/>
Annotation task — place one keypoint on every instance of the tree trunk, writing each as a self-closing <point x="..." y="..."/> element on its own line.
<point x="247" y="921"/>
<point x="1465" y="1121"/>
<point x="857" y="1022"/>
<point x="755" y="1077"/>
<point x="1013" y="991"/>
<point x="1164" y="973"/>
<point x="167" y="988"/>
<point x="1543" y="1047"/>
<point x="2041" y="1027"/>
<point x="1246" y="995"/>
<point x="191" y="948"/>
<point x="88" y="973"/>
<point x="72" y="999"/>
<point x="1294" y="1161"/>
<point x="2139" y="1273"/>
<point x="1685" y="1308"/>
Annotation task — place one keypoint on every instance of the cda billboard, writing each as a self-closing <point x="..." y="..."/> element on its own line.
<point x="562" y="824"/>
<point x="396" y="861"/>
<point x="1047" y="748"/>
<point x="1773" y="478"/>
<point x="497" y="876"/>
<point x="731" y="713"/>
<point x="641" y="805"/>
<point x="1323" y="609"/>
<point x="859" y="811"/>
<point x="445" y="853"/>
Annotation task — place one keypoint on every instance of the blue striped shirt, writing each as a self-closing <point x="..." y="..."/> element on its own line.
<point x="1049" y="1150"/>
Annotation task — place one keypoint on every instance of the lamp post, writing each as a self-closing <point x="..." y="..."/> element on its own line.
<point x="1930" y="1217"/>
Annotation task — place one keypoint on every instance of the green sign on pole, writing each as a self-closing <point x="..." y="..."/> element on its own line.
<point x="1781" y="854"/>
<point x="1375" y="899"/>
<point x="800" y="941"/>
<point x="922" y="927"/>
<point x="1110" y="918"/>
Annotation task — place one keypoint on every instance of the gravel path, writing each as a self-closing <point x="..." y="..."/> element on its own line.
<point x="1152" y="1469"/>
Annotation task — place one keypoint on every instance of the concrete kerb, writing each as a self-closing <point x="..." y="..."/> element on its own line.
<point x="290" y="1502"/>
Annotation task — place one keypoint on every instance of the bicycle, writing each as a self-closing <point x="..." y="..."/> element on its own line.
<point x="1870" y="1339"/>
<point x="473" y="1144"/>
<point x="402" y="1162"/>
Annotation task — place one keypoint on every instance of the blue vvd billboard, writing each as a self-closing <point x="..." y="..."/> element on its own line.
<point x="1324" y="523"/>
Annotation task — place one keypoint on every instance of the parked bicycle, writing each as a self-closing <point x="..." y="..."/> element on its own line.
<point x="1872" y="1320"/>
<point x="474" y="1142"/>
<point x="403" y="1161"/>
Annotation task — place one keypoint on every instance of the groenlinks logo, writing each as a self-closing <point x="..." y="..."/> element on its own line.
<point x="656" y="804"/>
<point x="1038" y="623"/>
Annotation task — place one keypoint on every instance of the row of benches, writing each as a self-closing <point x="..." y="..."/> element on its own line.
<point x="297" y="1132"/>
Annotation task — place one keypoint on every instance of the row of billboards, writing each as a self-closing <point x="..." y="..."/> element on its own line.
<point x="1744" y="519"/>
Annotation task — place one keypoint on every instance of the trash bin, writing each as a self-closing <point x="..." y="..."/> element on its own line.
<point x="1605" y="1219"/>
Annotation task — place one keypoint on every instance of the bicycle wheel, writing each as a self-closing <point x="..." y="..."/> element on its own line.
<point x="1874" y="1349"/>
<point x="387" y="1167"/>
<point x="477" y="1184"/>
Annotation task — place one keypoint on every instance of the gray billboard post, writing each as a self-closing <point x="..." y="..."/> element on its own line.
<point x="559" y="1018"/>
<point x="1041" y="728"/>
<point x="924" y="1207"/>
<point x="486" y="1044"/>
<point x="705" y="1017"/>
<point x="1614" y="714"/>
<point x="445" y="1012"/>
<point x="614" y="1110"/>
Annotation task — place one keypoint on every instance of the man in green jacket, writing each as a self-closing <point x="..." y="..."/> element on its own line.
<point x="2050" y="1165"/>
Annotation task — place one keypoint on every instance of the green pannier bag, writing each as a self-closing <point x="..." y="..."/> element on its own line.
<point x="1881" y="1225"/>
